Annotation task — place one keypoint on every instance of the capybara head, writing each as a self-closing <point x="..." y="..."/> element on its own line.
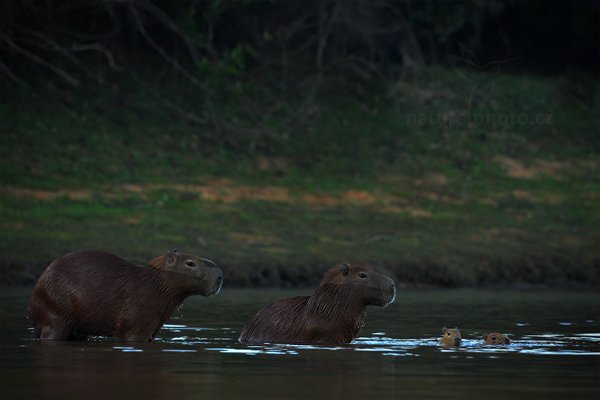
<point x="451" y="337"/>
<point x="495" y="338"/>
<point x="373" y="288"/>
<point x="207" y="274"/>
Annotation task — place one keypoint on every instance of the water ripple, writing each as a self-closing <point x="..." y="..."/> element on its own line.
<point x="224" y="340"/>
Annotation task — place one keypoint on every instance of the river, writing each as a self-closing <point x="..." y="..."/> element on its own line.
<point x="554" y="352"/>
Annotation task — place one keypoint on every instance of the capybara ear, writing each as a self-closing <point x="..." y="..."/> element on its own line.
<point x="444" y="330"/>
<point x="171" y="257"/>
<point x="345" y="269"/>
<point x="456" y="327"/>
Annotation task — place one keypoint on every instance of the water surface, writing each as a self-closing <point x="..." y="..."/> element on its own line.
<point x="554" y="353"/>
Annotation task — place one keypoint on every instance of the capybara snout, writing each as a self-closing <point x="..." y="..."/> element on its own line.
<point x="211" y="273"/>
<point x="384" y="291"/>
<point x="389" y="290"/>
<point x="209" y="276"/>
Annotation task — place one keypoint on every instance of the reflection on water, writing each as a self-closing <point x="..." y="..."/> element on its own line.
<point x="543" y="344"/>
<point x="554" y="352"/>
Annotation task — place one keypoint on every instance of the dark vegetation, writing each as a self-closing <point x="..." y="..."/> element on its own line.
<point x="448" y="143"/>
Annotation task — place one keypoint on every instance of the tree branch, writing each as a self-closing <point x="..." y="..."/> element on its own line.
<point x="40" y="61"/>
<point x="160" y="50"/>
<point x="167" y="21"/>
<point x="100" y="48"/>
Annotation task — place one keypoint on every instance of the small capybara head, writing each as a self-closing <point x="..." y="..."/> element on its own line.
<point x="207" y="274"/>
<point x="451" y="337"/>
<point x="495" y="338"/>
<point x="373" y="288"/>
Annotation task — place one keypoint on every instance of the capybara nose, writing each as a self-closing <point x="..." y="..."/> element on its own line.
<point x="218" y="283"/>
<point x="219" y="279"/>
<point x="391" y="293"/>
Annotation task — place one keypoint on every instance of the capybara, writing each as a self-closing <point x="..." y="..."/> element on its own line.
<point x="495" y="338"/>
<point x="450" y="337"/>
<point x="332" y="315"/>
<point x="89" y="292"/>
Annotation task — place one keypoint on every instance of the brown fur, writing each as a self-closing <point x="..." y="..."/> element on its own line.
<point x="450" y="337"/>
<point x="90" y="292"/>
<point x="332" y="315"/>
<point x="495" y="338"/>
<point x="157" y="262"/>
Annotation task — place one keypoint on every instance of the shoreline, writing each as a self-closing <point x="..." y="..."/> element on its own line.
<point x="18" y="274"/>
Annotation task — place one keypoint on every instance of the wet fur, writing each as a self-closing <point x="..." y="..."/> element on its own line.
<point x="495" y="338"/>
<point x="450" y="337"/>
<point x="334" y="314"/>
<point x="96" y="293"/>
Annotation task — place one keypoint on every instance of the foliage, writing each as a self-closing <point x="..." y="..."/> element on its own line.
<point x="398" y="181"/>
<point x="281" y="137"/>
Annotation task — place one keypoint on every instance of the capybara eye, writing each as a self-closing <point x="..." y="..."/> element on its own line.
<point x="190" y="263"/>
<point x="493" y="337"/>
<point x="362" y="275"/>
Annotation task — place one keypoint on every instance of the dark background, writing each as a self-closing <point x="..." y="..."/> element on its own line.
<point x="448" y="143"/>
<point x="537" y="36"/>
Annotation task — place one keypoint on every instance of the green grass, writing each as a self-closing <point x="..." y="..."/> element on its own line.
<point x="359" y="177"/>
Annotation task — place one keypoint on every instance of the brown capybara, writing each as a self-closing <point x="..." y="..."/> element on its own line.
<point x="495" y="338"/>
<point x="89" y="292"/>
<point x="450" y="337"/>
<point x="332" y="315"/>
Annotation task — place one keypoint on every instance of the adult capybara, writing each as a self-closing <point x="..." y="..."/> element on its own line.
<point x="495" y="338"/>
<point x="450" y="337"/>
<point x="332" y="315"/>
<point x="89" y="292"/>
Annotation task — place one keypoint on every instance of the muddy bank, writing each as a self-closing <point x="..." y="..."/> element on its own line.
<point x="527" y="273"/>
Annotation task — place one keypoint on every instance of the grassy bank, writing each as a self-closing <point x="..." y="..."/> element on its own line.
<point x="425" y="178"/>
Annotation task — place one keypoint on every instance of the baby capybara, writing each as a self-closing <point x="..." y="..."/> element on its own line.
<point x="332" y="315"/>
<point x="495" y="338"/>
<point x="89" y="292"/>
<point x="450" y="337"/>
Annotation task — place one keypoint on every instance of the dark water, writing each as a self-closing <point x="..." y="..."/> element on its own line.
<point x="555" y="353"/>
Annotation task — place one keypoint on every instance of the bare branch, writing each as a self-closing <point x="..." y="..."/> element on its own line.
<point x="100" y="48"/>
<point x="41" y="61"/>
<point x="166" y="20"/>
<point x="57" y="47"/>
<point x="160" y="50"/>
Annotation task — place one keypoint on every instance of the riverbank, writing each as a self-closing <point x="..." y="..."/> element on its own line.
<point x="516" y="276"/>
<point x="409" y="176"/>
